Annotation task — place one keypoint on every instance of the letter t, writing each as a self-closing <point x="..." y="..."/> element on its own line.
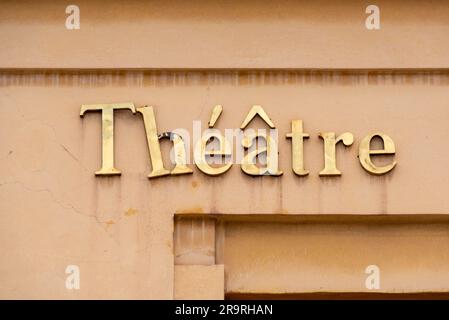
<point x="297" y="135"/>
<point x="107" y="122"/>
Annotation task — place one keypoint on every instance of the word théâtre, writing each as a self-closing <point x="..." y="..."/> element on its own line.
<point x="205" y="158"/>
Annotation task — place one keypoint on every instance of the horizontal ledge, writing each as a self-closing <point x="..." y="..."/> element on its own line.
<point x="227" y="70"/>
<point x="323" y="218"/>
<point x="339" y="296"/>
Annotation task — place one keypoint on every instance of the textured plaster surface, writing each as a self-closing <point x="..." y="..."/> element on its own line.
<point x="120" y="230"/>
<point x="224" y="34"/>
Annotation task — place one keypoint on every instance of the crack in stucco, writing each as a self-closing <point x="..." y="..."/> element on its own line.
<point x="55" y="140"/>
<point x="66" y="206"/>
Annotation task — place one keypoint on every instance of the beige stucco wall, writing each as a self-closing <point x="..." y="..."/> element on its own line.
<point x="224" y="34"/>
<point x="54" y="212"/>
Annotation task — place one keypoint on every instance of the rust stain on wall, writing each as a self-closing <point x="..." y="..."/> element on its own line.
<point x="191" y="210"/>
<point x="130" y="212"/>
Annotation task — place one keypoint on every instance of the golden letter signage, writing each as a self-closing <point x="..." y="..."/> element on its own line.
<point x="256" y="150"/>
<point x="107" y="122"/>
